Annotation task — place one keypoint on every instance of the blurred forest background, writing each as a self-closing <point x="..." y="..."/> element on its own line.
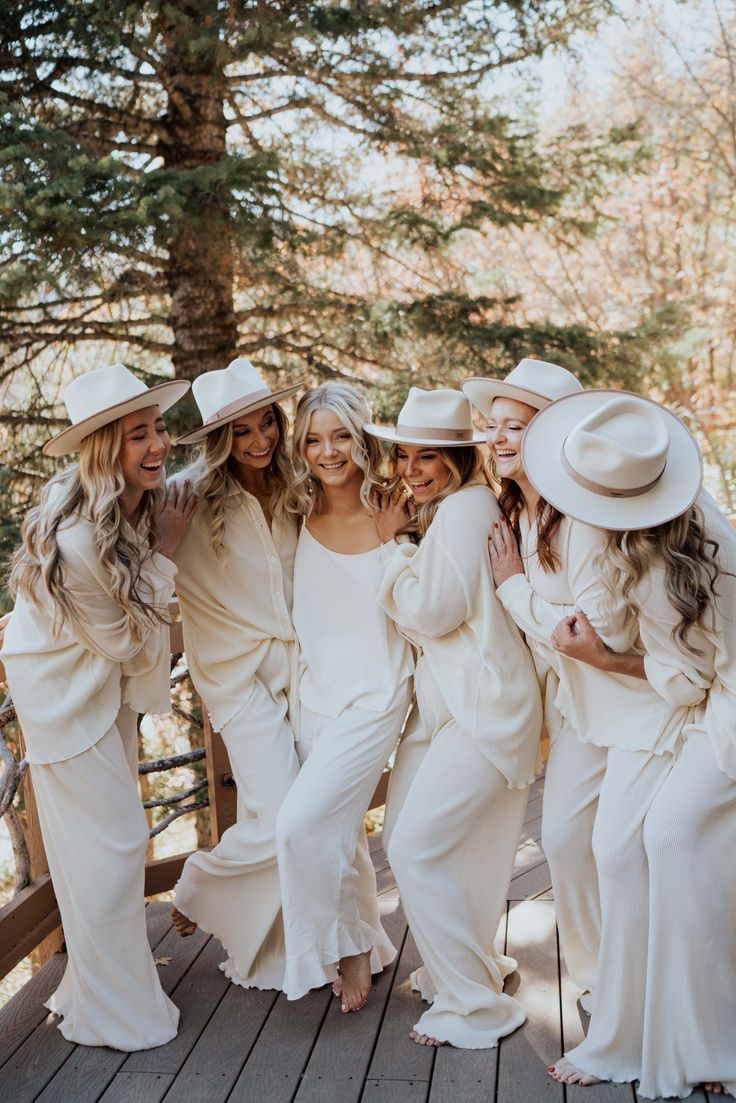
<point x="389" y="193"/>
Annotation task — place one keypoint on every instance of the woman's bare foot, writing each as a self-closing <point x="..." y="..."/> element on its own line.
<point x="337" y="986"/>
<point x="566" y="1073"/>
<point x="355" y="981"/>
<point x="424" y="1039"/>
<point x="184" y="926"/>
<point x="715" y="1087"/>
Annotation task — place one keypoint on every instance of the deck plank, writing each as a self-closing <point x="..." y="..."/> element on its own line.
<point x="525" y="1054"/>
<point x="137" y="1087"/>
<point x="396" y="1091"/>
<point x="396" y="1057"/>
<point x="339" y="1062"/>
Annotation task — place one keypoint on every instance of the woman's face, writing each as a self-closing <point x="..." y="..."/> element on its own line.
<point x="506" y="424"/>
<point x="255" y="437"/>
<point x="328" y="450"/>
<point x="423" y="470"/>
<point x="146" y="444"/>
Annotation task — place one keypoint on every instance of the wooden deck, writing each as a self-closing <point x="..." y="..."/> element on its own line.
<point x="255" y="1047"/>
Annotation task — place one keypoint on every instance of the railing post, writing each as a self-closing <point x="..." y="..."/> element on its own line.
<point x="220" y="785"/>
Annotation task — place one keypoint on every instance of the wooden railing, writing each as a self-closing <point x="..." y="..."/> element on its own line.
<point x="31" y="921"/>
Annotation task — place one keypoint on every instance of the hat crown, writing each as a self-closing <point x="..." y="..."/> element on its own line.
<point x="622" y="446"/>
<point x="99" y="389"/>
<point x="544" y="379"/>
<point x="216" y="390"/>
<point x="443" y="409"/>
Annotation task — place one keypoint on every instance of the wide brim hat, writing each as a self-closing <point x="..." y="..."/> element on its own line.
<point x="226" y="394"/>
<point x="433" y="419"/>
<point x="103" y="395"/>
<point x="612" y="459"/>
<point x="533" y="382"/>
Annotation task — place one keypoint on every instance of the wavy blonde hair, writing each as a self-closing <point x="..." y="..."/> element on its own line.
<point x="465" y="465"/>
<point x="90" y="489"/>
<point x="351" y="408"/>
<point x="691" y="568"/>
<point x="212" y="478"/>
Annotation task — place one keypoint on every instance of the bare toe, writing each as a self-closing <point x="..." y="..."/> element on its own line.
<point x="425" y="1039"/>
<point x="355" y="981"/>
<point x="716" y="1088"/>
<point x="184" y="926"/>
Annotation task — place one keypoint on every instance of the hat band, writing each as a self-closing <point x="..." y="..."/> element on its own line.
<point x="599" y="488"/>
<point x="235" y="407"/>
<point x="423" y="433"/>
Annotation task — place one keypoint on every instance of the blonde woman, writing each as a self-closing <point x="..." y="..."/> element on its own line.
<point x="87" y="649"/>
<point x="234" y="587"/>
<point x="666" y="829"/>
<point x="354" y="692"/>
<point x="460" y="784"/>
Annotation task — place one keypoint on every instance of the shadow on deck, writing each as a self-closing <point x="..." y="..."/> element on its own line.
<point x="255" y="1047"/>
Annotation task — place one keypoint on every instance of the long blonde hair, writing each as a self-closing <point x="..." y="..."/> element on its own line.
<point x="306" y="494"/>
<point x="90" y="489"/>
<point x="212" y="479"/>
<point x="691" y="568"/>
<point x="465" y="465"/>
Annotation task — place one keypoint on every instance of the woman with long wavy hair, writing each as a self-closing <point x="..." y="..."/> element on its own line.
<point x="460" y="782"/>
<point x="234" y="587"/>
<point x="87" y="649"/>
<point x="354" y="693"/>
<point x="665" y="835"/>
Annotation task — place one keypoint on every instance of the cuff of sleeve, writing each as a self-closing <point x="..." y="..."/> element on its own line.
<point x="672" y="684"/>
<point x="164" y="566"/>
<point x="393" y="550"/>
<point x="512" y="589"/>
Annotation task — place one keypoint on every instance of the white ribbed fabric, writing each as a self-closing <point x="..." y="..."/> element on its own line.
<point x="232" y="891"/>
<point x="355" y="690"/>
<point x="95" y="835"/>
<point x="349" y="651"/>
<point x="452" y="845"/>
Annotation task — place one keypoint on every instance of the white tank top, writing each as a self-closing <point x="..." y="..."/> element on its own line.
<point x="350" y="652"/>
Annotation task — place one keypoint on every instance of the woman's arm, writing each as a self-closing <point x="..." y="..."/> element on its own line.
<point x="532" y="614"/>
<point x="575" y="637"/>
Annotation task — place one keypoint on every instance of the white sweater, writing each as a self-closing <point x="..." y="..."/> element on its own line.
<point x="234" y="607"/>
<point x="67" y="688"/>
<point x="441" y="594"/>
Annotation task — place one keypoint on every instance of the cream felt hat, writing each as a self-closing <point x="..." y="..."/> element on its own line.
<point x="103" y="395"/>
<point x="228" y="393"/>
<point x="612" y="459"/>
<point x="535" y="382"/>
<point x="437" y="419"/>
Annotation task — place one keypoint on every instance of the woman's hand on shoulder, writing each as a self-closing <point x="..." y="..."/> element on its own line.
<point x="180" y="505"/>
<point x="391" y="511"/>
<point x="504" y="552"/>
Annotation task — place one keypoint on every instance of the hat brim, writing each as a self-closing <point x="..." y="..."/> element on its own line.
<point x="481" y="392"/>
<point x="196" y="435"/>
<point x="163" y="395"/>
<point x="388" y="432"/>
<point x="671" y="496"/>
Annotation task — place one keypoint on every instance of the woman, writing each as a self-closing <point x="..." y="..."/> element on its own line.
<point x="460" y="784"/>
<point x="234" y="587"/>
<point x="666" y="829"/>
<point x="354" y="693"/>
<point x="86" y="650"/>
<point x="553" y="554"/>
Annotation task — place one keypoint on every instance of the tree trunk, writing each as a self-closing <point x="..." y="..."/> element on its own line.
<point x="199" y="271"/>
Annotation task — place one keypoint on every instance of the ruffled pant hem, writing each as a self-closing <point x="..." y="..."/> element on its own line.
<point x="318" y="966"/>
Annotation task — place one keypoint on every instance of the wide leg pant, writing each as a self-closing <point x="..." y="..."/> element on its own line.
<point x="665" y="999"/>
<point x="233" y="890"/>
<point x="95" y="835"/>
<point x="328" y="884"/>
<point x="572" y="784"/>
<point x="452" y="846"/>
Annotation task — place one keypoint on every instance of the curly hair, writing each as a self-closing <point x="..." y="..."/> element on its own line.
<point x="548" y="520"/>
<point x="211" y="476"/>
<point x="90" y="489"/>
<point x="306" y="494"/>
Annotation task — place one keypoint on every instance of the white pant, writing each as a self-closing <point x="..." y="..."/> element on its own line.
<point x="665" y="1000"/>
<point x="572" y="784"/>
<point x="95" y="834"/>
<point x="233" y="890"/>
<point x="328" y="884"/>
<point x="452" y="845"/>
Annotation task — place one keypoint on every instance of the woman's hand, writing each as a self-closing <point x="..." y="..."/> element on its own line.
<point x="4" y="621"/>
<point x="576" y="637"/>
<point x="176" y="513"/>
<point x="391" y="511"/>
<point x="504" y="552"/>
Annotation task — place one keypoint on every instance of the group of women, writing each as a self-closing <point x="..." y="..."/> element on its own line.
<point x="337" y="599"/>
